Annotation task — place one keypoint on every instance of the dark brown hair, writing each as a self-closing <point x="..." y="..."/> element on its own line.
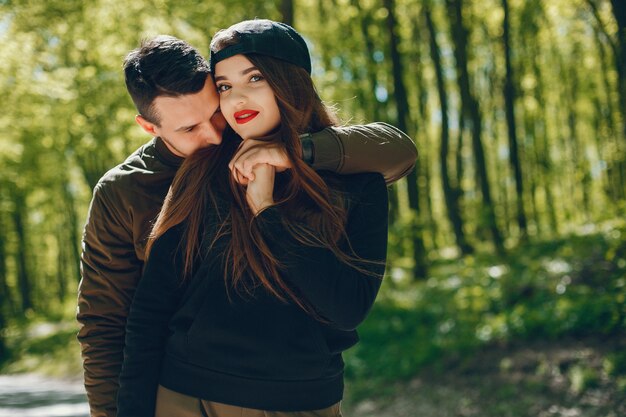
<point x="163" y="66"/>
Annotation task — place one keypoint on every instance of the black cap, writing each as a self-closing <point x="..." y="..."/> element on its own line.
<point x="265" y="37"/>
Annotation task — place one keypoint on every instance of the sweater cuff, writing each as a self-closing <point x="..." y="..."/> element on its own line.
<point x="308" y="149"/>
<point x="269" y="221"/>
<point x="328" y="151"/>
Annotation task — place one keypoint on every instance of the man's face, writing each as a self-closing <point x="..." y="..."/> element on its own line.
<point x="188" y="122"/>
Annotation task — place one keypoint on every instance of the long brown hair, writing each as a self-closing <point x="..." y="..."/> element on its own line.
<point x="313" y="213"/>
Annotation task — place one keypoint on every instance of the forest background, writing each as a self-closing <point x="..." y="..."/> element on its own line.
<point x="507" y="241"/>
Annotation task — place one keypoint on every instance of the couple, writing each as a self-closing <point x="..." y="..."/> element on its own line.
<point x="258" y="268"/>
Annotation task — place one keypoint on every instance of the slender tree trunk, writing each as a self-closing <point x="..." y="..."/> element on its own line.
<point x="608" y="88"/>
<point x="618" y="45"/>
<point x="534" y="171"/>
<point x="402" y="107"/>
<point x="459" y="167"/>
<point x="452" y="194"/>
<point x="286" y="10"/>
<point x="370" y="49"/>
<point x="619" y="11"/>
<point x="582" y="176"/>
<point x="599" y="124"/>
<point x="61" y="274"/>
<point x="509" y="101"/>
<point x="394" y="204"/>
<point x="421" y="135"/>
<point x="73" y="233"/>
<point x="545" y="161"/>
<point x="23" y="277"/>
<point x="565" y="172"/>
<point x="615" y="186"/>
<point x="4" y="293"/>
<point x="470" y="107"/>
<point x="541" y="116"/>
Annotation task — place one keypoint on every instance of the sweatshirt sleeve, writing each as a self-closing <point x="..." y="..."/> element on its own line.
<point x="375" y="147"/>
<point x="340" y="293"/>
<point x="154" y="303"/>
<point x="110" y="271"/>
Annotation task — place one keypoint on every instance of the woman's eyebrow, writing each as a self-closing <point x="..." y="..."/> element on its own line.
<point x="252" y="68"/>
<point x="244" y="72"/>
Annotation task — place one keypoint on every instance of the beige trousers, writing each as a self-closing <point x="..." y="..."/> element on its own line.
<point x="173" y="404"/>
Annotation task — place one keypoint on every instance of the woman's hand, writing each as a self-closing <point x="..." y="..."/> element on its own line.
<point x="254" y="152"/>
<point x="260" y="190"/>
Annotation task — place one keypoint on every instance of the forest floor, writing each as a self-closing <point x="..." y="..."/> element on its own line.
<point x="538" y="379"/>
<point x="558" y="378"/>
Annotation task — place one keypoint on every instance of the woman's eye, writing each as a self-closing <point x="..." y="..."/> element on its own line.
<point x="222" y="88"/>
<point x="256" y="77"/>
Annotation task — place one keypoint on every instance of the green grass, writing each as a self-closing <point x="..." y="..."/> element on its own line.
<point x="569" y="287"/>
<point x="48" y="348"/>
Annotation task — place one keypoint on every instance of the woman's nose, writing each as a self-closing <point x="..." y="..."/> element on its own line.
<point x="239" y="97"/>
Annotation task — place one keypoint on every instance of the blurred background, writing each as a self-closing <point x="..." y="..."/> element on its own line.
<point x="506" y="285"/>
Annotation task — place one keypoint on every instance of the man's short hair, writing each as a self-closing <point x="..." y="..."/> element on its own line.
<point x="163" y="66"/>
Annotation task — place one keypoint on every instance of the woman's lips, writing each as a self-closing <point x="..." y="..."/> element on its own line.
<point x="244" y="116"/>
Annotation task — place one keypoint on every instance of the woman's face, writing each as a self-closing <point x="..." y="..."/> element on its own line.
<point x="246" y="99"/>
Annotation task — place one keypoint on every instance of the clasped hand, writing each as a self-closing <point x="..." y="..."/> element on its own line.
<point x="254" y="166"/>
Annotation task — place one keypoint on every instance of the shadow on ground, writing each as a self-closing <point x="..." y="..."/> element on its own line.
<point x="568" y="378"/>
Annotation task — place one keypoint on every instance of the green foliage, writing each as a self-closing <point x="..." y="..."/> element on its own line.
<point x="67" y="119"/>
<point x="569" y="287"/>
<point x="47" y="348"/>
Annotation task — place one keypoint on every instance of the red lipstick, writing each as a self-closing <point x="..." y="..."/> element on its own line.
<point x="244" y="116"/>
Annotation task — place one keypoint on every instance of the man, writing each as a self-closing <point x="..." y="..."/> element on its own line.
<point x="177" y="102"/>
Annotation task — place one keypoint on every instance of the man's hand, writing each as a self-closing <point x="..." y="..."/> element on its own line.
<point x="254" y="152"/>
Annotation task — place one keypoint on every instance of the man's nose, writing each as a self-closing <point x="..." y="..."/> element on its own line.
<point x="212" y="135"/>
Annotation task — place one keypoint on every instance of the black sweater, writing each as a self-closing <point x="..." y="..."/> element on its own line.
<point x="254" y="350"/>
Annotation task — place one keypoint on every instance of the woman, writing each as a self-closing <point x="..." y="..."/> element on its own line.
<point x="251" y="292"/>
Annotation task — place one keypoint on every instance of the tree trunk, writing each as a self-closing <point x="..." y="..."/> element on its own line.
<point x="542" y="141"/>
<point x="451" y="193"/>
<point x="619" y="11"/>
<point x="615" y="186"/>
<point x="286" y="10"/>
<point x="62" y="269"/>
<point x="581" y="171"/>
<point x="471" y="108"/>
<point x="370" y="49"/>
<point x="618" y="45"/>
<point x="4" y="293"/>
<point x="421" y="135"/>
<point x="73" y="227"/>
<point x="509" y="101"/>
<point x="23" y="278"/>
<point x="459" y="167"/>
<point x="402" y="107"/>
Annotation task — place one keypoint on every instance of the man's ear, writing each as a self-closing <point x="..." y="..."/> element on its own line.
<point x="149" y="127"/>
